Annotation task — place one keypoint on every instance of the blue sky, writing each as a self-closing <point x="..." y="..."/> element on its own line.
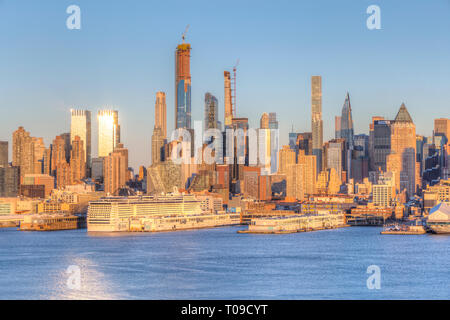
<point x="124" y="53"/>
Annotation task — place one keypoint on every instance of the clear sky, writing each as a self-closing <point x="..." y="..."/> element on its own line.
<point x="124" y="53"/>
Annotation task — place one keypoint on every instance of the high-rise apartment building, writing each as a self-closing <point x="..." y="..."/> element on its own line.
<point x="228" y="100"/>
<point x="80" y="125"/>
<point x="310" y="172"/>
<point x="3" y="153"/>
<point x="77" y="160"/>
<point x="287" y="158"/>
<point x="108" y="132"/>
<point x="58" y="153"/>
<point x="28" y="152"/>
<point x="316" y="119"/>
<point x="116" y="170"/>
<point x="183" y="86"/>
<point x="211" y="111"/>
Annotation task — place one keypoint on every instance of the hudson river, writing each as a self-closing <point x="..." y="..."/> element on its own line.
<point x="221" y="264"/>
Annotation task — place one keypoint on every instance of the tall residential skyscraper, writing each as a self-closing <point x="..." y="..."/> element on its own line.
<point x="228" y="100"/>
<point x="3" y="153"/>
<point x="108" y="132"/>
<point x="402" y="160"/>
<point x="316" y="119"/>
<point x="211" y="111"/>
<point x="183" y="86"/>
<point x="80" y="125"/>
<point x="161" y="113"/>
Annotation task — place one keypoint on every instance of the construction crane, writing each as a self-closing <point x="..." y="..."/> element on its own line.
<point x="233" y="95"/>
<point x="184" y="33"/>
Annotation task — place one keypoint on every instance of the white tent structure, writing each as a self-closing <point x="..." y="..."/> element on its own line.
<point x="439" y="218"/>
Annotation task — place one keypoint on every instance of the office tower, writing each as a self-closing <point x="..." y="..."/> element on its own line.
<point x="361" y="146"/>
<point x="80" y="125"/>
<point x="108" y="132"/>
<point x="310" y="172"/>
<point x="371" y="142"/>
<point x="9" y="181"/>
<point x="228" y="101"/>
<point x="442" y="127"/>
<point x="304" y="142"/>
<point x="39" y="180"/>
<point x="240" y="151"/>
<point x="183" y="86"/>
<point x="402" y="160"/>
<point x="116" y="170"/>
<point x="273" y="122"/>
<point x="335" y="155"/>
<point x="264" y="122"/>
<point x="97" y="169"/>
<point x="77" y="160"/>
<point x="316" y="117"/>
<point x="211" y="111"/>
<point x="381" y="144"/>
<point x="347" y="123"/>
<point x="58" y="153"/>
<point x="161" y="113"/>
<point x="3" y="153"/>
<point x="337" y="127"/>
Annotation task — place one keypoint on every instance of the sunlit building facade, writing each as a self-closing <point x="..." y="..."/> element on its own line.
<point x="108" y="131"/>
<point x="80" y="125"/>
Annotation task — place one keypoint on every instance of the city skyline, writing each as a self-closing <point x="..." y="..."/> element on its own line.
<point x="365" y="81"/>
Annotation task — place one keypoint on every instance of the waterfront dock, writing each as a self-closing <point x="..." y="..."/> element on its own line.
<point x="297" y="223"/>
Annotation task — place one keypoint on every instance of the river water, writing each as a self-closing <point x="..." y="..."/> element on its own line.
<point x="221" y="264"/>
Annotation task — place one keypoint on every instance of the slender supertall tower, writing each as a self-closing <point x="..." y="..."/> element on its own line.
<point x="316" y="119"/>
<point x="183" y="85"/>
<point x="228" y="102"/>
<point x="108" y="132"/>
<point x="80" y="125"/>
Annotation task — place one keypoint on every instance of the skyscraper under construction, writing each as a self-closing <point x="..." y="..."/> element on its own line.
<point x="183" y="86"/>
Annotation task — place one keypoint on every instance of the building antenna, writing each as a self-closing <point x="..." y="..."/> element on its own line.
<point x="183" y="36"/>
<point x="233" y="94"/>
